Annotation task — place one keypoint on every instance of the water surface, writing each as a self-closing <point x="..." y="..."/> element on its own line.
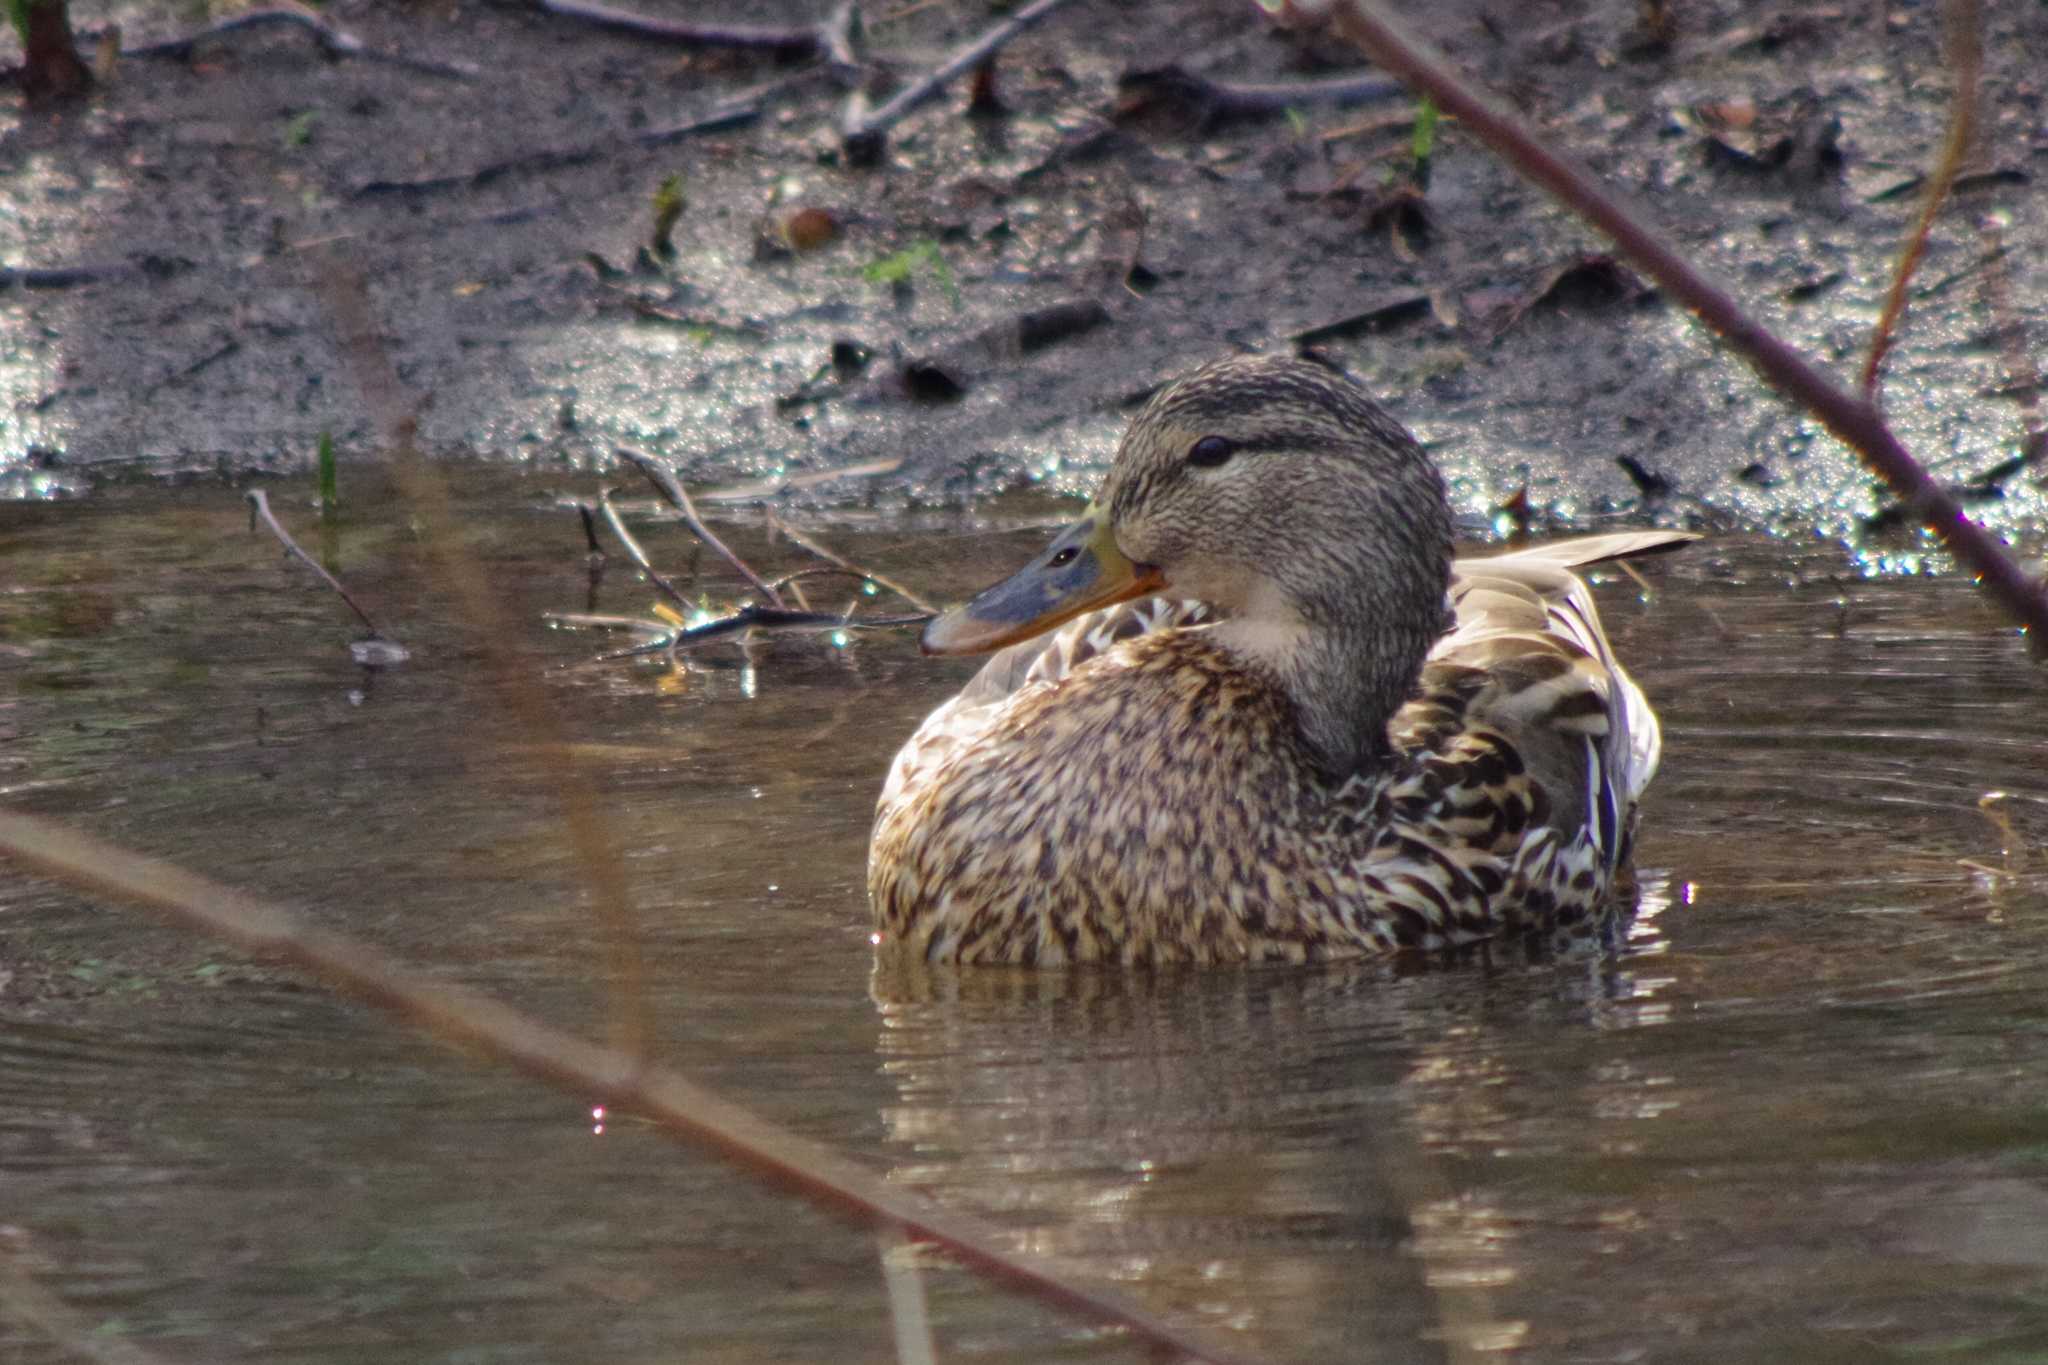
<point x="1803" y="1116"/>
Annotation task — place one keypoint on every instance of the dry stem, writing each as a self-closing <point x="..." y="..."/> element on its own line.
<point x="615" y="1078"/>
<point x="1966" y="59"/>
<point x="1853" y="420"/>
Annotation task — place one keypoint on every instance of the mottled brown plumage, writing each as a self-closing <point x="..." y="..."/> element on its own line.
<point x="1326" y="740"/>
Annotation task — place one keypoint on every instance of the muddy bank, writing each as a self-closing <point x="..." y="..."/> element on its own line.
<point x="997" y="290"/>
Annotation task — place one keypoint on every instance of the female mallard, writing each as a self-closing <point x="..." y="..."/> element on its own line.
<point x="1343" y="743"/>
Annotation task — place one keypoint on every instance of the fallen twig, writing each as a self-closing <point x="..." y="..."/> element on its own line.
<point x="259" y="509"/>
<point x="60" y="276"/>
<point x="1215" y="101"/>
<point x="794" y="40"/>
<point x="664" y="479"/>
<point x="1965" y="57"/>
<point x="186" y="371"/>
<point x="669" y="635"/>
<point x="333" y="40"/>
<point x="839" y="42"/>
<point x="638" y="555"/>
<point x="618" y="1079"/>
<point x="1853" y="420"/>
<point x="864" y="132"/>
<point x="557" y="158"/>
<point x="845" y="565"/>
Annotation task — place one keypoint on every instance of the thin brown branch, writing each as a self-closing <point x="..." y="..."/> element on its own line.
<point x="839" y="42"/>
<point x="523" y="709"/>
<point x="638" y="555"/>
<point x="1215" y="101"/>
<point x="863" y="132"/>
<point x="470" y="1019"/>
<point x="259" y="510"/>
<point x="846" y="565"/>
<point x="665" y="481"/>
<point x="793" y="40"/>
<point x="1965" y="61"/>
<point x="333" y="40"/>
<point x="726" y="116"/>
<point x="1855" y="421"/>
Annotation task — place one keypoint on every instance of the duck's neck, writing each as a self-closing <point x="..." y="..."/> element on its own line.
<point x="1347" y="671"/>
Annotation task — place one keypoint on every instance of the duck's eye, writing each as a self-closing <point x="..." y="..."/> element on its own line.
<point x="1211" y="451"/>
<point x="1063" y="558"/>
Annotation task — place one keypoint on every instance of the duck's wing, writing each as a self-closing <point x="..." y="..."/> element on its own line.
<point x="1038" y="662"/>
<point x="1527" y="659"/>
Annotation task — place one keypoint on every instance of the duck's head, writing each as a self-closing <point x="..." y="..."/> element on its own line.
<point x="1275" y="491"/>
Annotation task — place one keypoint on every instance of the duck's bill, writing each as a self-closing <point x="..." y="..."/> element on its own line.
<point x="1080" y="571"/>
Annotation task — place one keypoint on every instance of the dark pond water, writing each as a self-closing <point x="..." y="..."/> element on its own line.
<point x="1803" y="1117"/>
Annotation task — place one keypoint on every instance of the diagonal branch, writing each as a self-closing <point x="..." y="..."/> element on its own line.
<point x="1853" y="420"/>
<point x="468" y="1018"/>
<point x="1966" y="56"/>
<point x="863" y="131"/>
<point x="664" y="479"/>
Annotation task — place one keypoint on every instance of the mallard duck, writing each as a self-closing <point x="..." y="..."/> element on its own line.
<point x="1283" y="722"/>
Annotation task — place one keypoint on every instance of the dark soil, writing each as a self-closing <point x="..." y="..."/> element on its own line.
<point x="517" y="297"/>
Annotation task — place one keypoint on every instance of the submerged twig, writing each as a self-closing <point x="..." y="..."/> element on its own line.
<point x="334" y="40"/>
<point x="846" y="565"/>
<point x="471" y="1019"/>
<point x="752" y="618"/>
<point x="1966" y="59"/>
<point x="259" y="510"/>
<point x="1854" y="420"/>
<point x="839" y="42"/>
<point x="908" y="1313"/>
<point x="665" y="481"/>
<point x="864" y="132"/>
<point x="638" y="555"/>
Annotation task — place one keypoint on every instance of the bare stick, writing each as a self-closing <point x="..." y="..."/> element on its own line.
<point x="61" y="276"/>
<point x="1855" y="421"/>
<point x="794" y="41"/>
<point x="839" y="42"/>
<point x="765" y="488"/>
<point x="522" y="709"/>
<point x="863" y="131"/>
<point x="664" y="479"/>
<point x="846" y="565"/>
<point x="470" y="1019"/>
<point x="777" y="620"/>
<point x="1217" y="100"/>
<point x="1966" y="58"/>
<point x="333" y="40"/>
<point x="638" y="555"/>
<point x="259" y="509"/>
